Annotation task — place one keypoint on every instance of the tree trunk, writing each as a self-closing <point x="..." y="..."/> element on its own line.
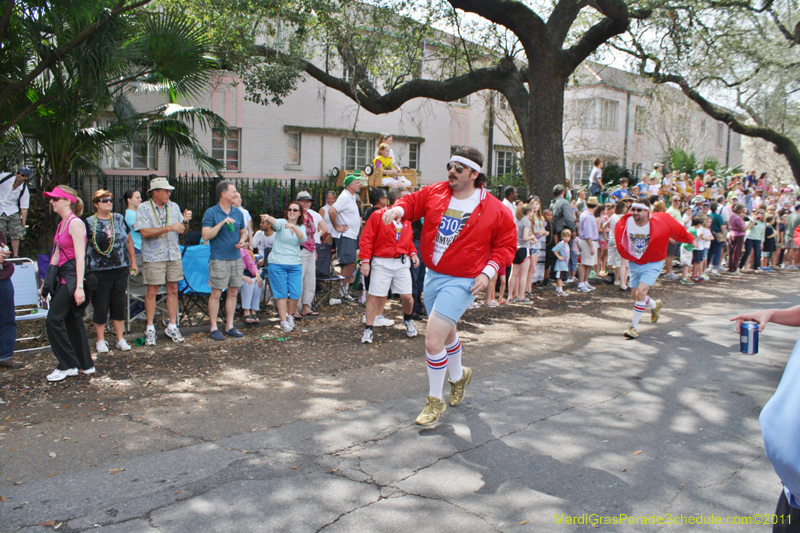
<point x="541" y="134"/>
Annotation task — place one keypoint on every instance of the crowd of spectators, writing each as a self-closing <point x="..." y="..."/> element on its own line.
<point x="741" y="225"/>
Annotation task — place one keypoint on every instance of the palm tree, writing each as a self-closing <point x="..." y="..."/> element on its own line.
<point x="88" y="112"/>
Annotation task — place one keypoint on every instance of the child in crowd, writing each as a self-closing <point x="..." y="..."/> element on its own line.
<point x="687" y="254"/>
<point x="704" y="236"/>
<point x="549" y="243"/>
<point x="697" y="252"/>
<point x="561" y="252"/>
<point x="392" y="176"/>
<point x="770" y="246"/>
<point x="753" y="239"/>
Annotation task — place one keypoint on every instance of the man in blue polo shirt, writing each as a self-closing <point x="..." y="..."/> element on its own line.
<point x="224" y="229"/>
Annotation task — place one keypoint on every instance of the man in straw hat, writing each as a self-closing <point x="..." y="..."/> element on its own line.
<point x="160" y="221"/>
<point x="466" y="237"/>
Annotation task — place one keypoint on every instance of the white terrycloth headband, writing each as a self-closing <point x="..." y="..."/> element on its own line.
<point x="469" y="162"/>
<point x="640" y="206"/>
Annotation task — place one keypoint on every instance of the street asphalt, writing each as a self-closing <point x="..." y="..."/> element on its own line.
<point x="573" y="428"/>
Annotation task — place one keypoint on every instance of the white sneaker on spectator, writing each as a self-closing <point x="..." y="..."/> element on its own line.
<point x="382" y="321"/>
<point x="590" y="287"/>
<point x="123" y="345"/>
<point x="571" y="280"/>
<point x="561" y="293"/>
<point x="473" y="305"/>
<point x="583" y="288"/>
<point x="672" y="276"/>
<point x="150" y="337"/>
<point x="792" y="267"/>
<point x="102" y="347"/>
<point x="58" y="375"/>
<point x="290" y="320"/>
<point x="411" y="331"/>
<point x="367" y="337"/>
<point x="285" y="326"/>
<point x="174" y="334"/>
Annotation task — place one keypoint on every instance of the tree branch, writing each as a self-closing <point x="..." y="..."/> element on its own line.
<point x="782" y="144"/>
<point x="523" y="22"/>
<point x="562" y="17"/>
<point x="615" y="23"/>
<point x="498" y="77"/>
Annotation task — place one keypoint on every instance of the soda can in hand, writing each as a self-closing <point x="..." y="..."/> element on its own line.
<point x="748" y="339"/>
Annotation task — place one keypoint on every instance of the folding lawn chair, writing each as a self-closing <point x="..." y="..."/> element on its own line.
<point x="328" y="282"/>
<point x="28" y="303"/>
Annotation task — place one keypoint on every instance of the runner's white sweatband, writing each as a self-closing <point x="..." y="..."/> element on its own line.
<point x="464" y="161"/>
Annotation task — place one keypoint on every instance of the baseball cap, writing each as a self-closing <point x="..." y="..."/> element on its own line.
<point x="350" y="179"/>
<point x="25" y="171"/>
<point x="303" y="195"/>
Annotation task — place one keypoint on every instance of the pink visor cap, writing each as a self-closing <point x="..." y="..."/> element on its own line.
<point x="58" y="192"/>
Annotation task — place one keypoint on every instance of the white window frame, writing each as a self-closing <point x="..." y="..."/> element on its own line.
<point x="294" y="144"/>
<point x="640" y="119"/>
<point x="123" y="155"/>
<point x="584" y="112"/>
<point x="636" y="172"/>
<point x="222" y="154"/>
<point x="413" y="155"/>
<point x="357" y="152"/>
<point x="581" y="168"/>
<point x="609" y="109"/>
<point x="736" y="141"/>
<point x="508" y="164"/>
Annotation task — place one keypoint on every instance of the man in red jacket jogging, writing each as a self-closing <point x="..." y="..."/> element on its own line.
<point x="642" y="238"/>
<point x="385" y="250"/>
<point x="467" y="235"/>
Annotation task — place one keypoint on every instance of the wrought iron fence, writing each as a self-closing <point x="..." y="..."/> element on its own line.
<point x="193" y="192"/>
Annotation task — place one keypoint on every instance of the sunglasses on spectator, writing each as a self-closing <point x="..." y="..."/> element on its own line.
<point x="637" y="209"/>
<point x="105" y="200"/>
<point x="451" y="166"/>
<point x="293" y="209"/>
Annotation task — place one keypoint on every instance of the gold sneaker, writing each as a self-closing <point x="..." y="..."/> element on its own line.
<point x="430" y="414"/>
<point x="631" y="333"/>
<point x="457" y="388"/>
<point x="655" y="313"/>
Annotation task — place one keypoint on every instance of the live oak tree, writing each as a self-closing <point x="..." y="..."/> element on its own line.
<point x="535" y="51"/>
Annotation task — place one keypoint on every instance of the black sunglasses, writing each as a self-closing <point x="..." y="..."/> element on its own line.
<point x="106" y="200"/>
<point x="636" y="209"/>
<point x="451" y="166"/>
<point x="292" y="210"/>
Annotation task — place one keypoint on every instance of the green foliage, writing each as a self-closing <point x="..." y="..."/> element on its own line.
<point x="612" y="173"/>
<point x="682" y="161"/>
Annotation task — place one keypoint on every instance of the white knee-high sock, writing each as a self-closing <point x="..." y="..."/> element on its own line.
<point x="454" y="359"/>
<point x="437" y="368"/>
<point x="650" y="303"/>
<point x="638" y="310"/>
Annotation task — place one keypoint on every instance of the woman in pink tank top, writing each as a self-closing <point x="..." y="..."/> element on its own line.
<point x="65" y="328"/>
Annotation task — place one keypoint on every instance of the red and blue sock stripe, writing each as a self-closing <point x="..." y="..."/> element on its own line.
<point x="437" y="364"/>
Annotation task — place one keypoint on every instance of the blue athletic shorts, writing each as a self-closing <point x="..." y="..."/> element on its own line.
<point x="447" y="295"/>
<point x="285" y="280"/>
<point x="646" y="273"/>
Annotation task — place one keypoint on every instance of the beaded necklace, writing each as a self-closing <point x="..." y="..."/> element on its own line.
<point x="158" y="219"/>
<point x="94" y="237"/>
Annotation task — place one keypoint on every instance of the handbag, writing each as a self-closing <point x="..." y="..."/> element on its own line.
<point x="720" y="237"/>
<point x="51" y="281"/>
